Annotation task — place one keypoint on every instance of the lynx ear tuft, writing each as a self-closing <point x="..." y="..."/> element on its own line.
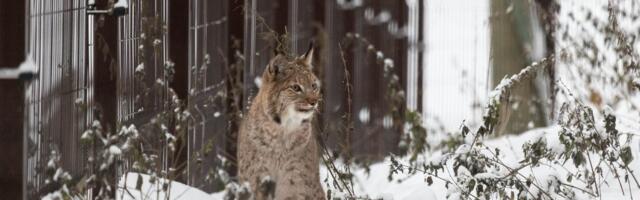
<point x="307" y="57"/>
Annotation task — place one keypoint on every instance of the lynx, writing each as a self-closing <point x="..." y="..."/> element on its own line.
<point x="277" y="151"/>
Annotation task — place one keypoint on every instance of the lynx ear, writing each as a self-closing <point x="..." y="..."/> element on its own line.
<point x="273" y="68"/>
<point x="307" y="57"/>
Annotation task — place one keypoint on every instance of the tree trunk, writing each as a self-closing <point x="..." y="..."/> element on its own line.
<point x="508" y="56"/>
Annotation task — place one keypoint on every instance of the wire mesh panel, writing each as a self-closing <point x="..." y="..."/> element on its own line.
<point x="143" y="75"/>
<point x="333" y="87"/>
<point x="56" y="100"/>
<point x="208" y="69"/>
<point x="368" y="36"/>
<point x="142" y="50"/>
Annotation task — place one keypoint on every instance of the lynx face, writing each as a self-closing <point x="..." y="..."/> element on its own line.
<point x="294" y="89"/>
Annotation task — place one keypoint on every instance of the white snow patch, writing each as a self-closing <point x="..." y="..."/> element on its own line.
<point x="258" y="82"/>
<point x="113" y="149"/>
<point x="363" y="115"/>
<point x="121" y="4"/>
<point x="379" y="55"/>
<point x="387" y="122"/>
<point x="157" y="42"/>
<point x="28" y="66"/>
<point x="153" y="191"/>
<point x="140" y="67"/>
<point x="57" y="195"/>
<point x="388" y="62"/>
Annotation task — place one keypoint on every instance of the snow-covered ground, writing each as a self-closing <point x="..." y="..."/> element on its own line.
<point x="376" y="185"/>
<point x="152" y="191"/>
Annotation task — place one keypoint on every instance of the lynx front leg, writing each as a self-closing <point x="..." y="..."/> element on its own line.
<point x="258" y="178"/>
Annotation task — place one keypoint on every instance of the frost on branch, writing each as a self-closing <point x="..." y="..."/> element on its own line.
<point x="498" y="110"/>
<point x="56" y="177"/>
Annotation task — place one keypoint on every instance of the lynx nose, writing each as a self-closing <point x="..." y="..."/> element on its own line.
<point x="312" y="101"/>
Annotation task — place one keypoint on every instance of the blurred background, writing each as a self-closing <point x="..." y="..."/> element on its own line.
<point x="68" y="64"/>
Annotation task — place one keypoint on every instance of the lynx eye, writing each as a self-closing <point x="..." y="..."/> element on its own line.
<point x="314" y="86"/>
<point x="296" y="88"/>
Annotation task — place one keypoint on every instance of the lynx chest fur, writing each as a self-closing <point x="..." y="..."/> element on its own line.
<point x="277" y="150"/>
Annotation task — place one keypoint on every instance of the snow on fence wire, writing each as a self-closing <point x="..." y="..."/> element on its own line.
<point x="57" y="98"/>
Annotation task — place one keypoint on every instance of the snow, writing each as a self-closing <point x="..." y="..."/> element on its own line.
<point x="176" y="190"/>
<point x="157" y="42"/>
<point x="387" y="122"/>
<point x="114" y="150"/>
<point x="363" y="115"/>
<point x="349" y="5"/>
<point x="58" y="174"/>
<point x="373" y="19"/>
<point x="51" y="163"/>
<point x="153" y="191"/>
<point x="140" y="67"/>
<point x="388" y="63"/>
<point x="258" y="82"/>
<point x="53" y="196"/>
<point x="169" y="64"/>
<point x="96" y="124"/>
<point x="121" y="4"/>
<point x="379" y="55"/>
<point x="26" y="67"/>
<point x="160" y="82"/>
<point x="376" y="185"/>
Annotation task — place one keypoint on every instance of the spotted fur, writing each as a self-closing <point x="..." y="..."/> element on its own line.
<point x="276" y="138"/>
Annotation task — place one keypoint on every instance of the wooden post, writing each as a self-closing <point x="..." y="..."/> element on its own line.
<point x="508" y="57"/>
<point x="234" y="103"/>
<point x="12" y="53"/>
<point x="106" y="64"/>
